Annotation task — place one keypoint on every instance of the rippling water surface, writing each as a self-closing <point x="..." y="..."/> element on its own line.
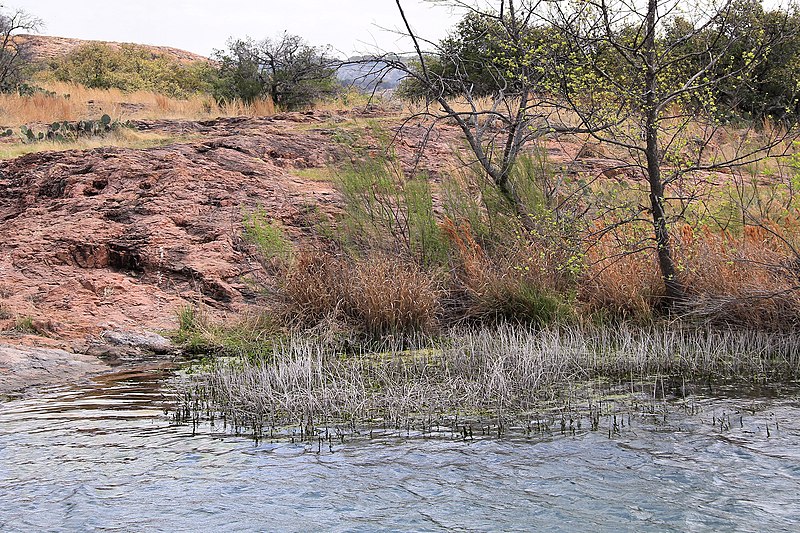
<point x="107" y="458"/>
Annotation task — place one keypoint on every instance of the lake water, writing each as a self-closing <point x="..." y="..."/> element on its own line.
<point x="106" y="457"/>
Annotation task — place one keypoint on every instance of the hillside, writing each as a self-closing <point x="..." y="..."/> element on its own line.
<point x="46" y="47"/>
<point x="117" y="237"/>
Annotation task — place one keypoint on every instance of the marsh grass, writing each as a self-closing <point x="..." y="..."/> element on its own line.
<point x="504" y="374"/>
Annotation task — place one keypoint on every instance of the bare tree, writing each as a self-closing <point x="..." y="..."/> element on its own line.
<point x="14" y="53"/>
<point x="657" y="80"/>
<point x="508" y="107"/>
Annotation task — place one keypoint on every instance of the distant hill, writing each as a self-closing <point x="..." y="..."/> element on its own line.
<point x="45" y="47"/>
<point x="361" y="75"/>
<point x="369" y="74"/>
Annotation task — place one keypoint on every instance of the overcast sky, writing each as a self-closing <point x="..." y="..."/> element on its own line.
<point x="203" y="25"/>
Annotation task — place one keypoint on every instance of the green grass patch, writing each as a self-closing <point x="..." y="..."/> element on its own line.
<point x="266" y="235"/>
<point x="324" y="174"/>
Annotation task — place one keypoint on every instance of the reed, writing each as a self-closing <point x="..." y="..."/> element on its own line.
<point x="505" y="373"/>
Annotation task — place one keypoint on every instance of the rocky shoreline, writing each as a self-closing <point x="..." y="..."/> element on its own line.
<point x="34" y="362"/>
<point x="97" y="242"/>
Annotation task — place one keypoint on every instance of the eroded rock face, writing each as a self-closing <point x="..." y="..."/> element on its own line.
<point x="119" y="239"/>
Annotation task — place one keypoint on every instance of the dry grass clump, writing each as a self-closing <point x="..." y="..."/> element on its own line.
<point x="310" y="291"/>
<point x="619" y="283"/>
<point x="378" y="296"/>
<point x="16" y="110"/>
<point x="122" y="138"/>
<point x="390" y="297"/>
<point x="751" y="279"/>
<point x="525" y="282"/>
<point x="76" y="102"/>
<point x="237" y="108"/>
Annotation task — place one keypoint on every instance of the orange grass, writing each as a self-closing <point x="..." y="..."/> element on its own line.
<point x="377" y="295"/>
<point x="750" y="279"/>
<point x="76" y="102"/>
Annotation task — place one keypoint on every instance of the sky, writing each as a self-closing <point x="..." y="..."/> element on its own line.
<point x="200" y="26"/>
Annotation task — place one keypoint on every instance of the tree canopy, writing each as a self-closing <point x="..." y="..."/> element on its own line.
<point x="287" y="69"/>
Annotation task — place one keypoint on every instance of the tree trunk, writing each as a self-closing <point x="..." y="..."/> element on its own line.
<point x="505" y="187"/>
<point x="674" y="288"/>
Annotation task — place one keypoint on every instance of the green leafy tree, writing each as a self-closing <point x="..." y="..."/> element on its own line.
<point x="288" y="70"/>
<point x="481" y="57"/>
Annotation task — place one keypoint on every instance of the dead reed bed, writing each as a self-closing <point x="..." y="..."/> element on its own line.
<point x="502" y="373"/>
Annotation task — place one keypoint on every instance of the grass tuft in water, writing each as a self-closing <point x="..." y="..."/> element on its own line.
<point x="503" y="374"/>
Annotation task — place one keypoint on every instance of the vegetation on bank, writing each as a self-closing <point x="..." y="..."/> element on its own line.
<point x="511" y="376"/>
<point x="408" y="258"/>
<point x="691" y="213"/>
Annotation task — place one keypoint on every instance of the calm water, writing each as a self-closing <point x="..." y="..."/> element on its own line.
<point x="106" y="458"/>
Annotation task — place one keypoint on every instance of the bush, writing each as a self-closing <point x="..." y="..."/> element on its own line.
<point x="288" y="70"/>
<point x="133" y="68"/>
<point x="377" y="296"/>
<point x="387" y="211"/>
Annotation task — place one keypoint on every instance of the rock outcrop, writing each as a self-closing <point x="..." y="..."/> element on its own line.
<point x="21" y="367"/>
<point x="120" y="239"/>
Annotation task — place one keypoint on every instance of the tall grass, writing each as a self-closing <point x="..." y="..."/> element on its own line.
<point x="374" y="297"/>
<point x="76" y="102"/>
<point x="750" y="279"/>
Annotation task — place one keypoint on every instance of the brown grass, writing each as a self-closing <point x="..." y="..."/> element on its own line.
<point x="378" y="295"/>
<point x="752" y="279"/>
<point x="620" y="283"/>
<point x="76" y="102"/>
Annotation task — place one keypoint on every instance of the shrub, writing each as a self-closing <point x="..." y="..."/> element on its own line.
<point x="132" y="68"/>
<point x="387" y="211"/>
<point x="377" y="296"/>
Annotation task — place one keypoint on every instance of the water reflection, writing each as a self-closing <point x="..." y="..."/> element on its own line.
<point x="107" y="457"/>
